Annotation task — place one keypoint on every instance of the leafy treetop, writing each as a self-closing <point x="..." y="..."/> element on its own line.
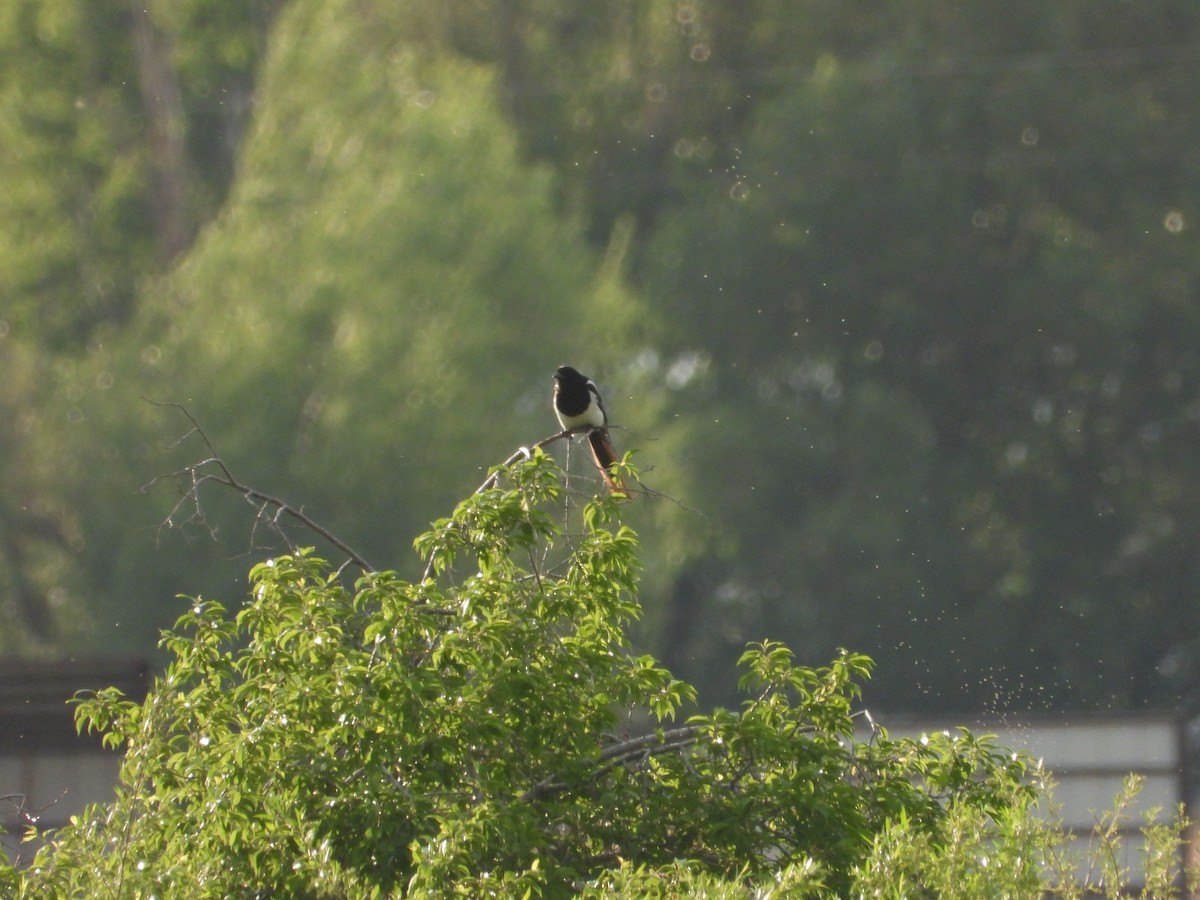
<point x="487" y="731"/>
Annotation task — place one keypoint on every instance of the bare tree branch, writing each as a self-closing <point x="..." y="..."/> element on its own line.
<point x="269" y="510"/>
<point x="623" y="753"/>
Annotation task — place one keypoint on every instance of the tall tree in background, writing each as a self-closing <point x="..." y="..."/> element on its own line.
<point x="119" y="125"/>
<point x="952" y="280"/>
<point x="118" y="128"/>
<point x="371" y="322"/>
<point x="920" y="339"/>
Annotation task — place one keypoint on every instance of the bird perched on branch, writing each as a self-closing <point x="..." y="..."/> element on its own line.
<point x="578" y="406"/>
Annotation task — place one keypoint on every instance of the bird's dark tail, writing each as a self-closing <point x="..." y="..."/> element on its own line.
<point x="604" y="456"/>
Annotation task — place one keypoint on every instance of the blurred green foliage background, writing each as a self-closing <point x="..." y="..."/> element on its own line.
<point x="898" y="303"/>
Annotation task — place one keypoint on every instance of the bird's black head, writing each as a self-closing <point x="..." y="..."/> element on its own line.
<point x="566" y="373"/>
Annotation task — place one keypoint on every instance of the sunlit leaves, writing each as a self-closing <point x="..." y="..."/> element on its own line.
<point x="321" y="728"/>
<point x="487" y="730"/>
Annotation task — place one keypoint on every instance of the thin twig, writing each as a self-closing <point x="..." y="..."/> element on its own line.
<point x="494" y="478"/>
<point x="520" y="453"/>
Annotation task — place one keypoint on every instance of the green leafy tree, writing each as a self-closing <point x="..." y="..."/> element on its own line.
<point x="119" y="129"/>
<point x="40" y="534"/>
<point x="74" y="215"/>
<point x="944" y="289"/>
<point x="485" y="730"/>
<point x="388" y="283"/>
<point x="119" y="126"/>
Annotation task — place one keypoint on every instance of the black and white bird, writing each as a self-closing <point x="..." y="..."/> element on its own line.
<point x="578" y="406"/>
